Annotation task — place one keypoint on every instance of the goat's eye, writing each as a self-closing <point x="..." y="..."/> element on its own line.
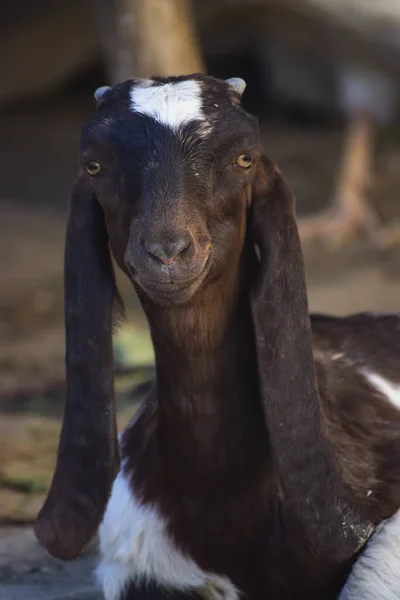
<point x="244" y="161"/>
<point x="93" y="168"/>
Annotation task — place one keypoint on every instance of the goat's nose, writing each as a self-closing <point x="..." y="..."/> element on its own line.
<point x="168" y="251"/>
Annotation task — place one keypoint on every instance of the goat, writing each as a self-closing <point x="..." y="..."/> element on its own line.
<point x="266" y="454"/>
<point x="376" y="573"/>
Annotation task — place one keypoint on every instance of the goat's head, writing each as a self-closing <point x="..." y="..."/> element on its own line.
<point x="171" y="163"/>
<point x="169" y="168"/>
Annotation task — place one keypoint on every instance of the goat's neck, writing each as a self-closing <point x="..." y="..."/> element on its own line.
<point x="207" y="384"/>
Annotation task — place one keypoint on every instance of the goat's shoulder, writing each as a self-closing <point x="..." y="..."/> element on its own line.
<point x="365" y="339"/>
<point x="357" y="362"/>
<point x="360" y="354"/>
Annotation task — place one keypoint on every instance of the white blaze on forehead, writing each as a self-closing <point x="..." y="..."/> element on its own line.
<point x="171" y="104"/>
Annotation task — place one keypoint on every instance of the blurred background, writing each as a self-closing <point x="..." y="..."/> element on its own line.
<point x="323" y="78"/>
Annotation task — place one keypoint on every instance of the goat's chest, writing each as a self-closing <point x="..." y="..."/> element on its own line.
<point x="140" y="560"/>
<point x="230" y="538"/>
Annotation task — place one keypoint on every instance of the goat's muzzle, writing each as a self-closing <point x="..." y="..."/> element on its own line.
<point x="168" y="268"/>
<point x="169" y="250"/>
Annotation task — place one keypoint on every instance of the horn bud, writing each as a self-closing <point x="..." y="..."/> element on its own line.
<point x="237" y="84"/>
<point x="99" y="94"/>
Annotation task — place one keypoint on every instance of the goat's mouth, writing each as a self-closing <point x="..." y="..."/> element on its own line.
<point x="171" y="290"/>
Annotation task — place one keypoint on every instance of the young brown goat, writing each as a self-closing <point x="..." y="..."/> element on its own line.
<point x="241" y="476"/>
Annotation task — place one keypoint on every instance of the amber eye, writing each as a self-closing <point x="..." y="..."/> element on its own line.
<point x="244" y="161"/>
<point x="93" y="168"/>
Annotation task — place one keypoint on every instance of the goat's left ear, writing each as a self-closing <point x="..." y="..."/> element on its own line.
<point x="279" y="295"/>
<point x="303" y="455"/>
<point x="273" y="229"/>
<point x="283" y="340"/>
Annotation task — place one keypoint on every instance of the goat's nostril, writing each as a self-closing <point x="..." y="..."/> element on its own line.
<point x="167" y="252"/>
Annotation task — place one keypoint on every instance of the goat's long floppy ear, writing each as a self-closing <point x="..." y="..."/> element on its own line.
<point x="88" y="453"/>
<point x="303" y="455"/>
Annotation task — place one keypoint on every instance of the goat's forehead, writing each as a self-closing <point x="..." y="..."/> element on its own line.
<point x="171" y="104"/>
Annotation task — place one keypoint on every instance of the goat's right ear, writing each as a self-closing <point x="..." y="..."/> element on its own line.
<point x="87" y="460"/>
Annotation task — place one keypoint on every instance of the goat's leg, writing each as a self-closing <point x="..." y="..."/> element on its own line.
<point x="350" y="212"/>
<point x="376" y="573"/>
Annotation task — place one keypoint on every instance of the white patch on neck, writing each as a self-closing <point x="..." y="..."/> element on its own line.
<point x="385" y="387"/>
<point x="135" y="546"/>
<point x="376" y="573"/>
<point x="171" y="104"/>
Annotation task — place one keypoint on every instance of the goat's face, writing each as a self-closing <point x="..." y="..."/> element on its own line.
<point x="171" y="162"/>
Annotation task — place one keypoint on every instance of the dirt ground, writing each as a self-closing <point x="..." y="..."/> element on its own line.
<point x="36" y="173"/>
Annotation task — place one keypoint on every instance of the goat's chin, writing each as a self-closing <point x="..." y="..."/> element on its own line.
<point x="170" y="295"/>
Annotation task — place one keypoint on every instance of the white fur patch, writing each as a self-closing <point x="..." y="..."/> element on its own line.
<point x="376" y="573"/>
<point x="135" y="546"/>
<point x="171" y="104"/>
<point x="385" y="387"/>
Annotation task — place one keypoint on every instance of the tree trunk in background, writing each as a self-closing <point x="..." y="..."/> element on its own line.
<point x="141" y="38"/>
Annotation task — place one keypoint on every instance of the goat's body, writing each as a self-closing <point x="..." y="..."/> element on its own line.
<point x="173" y="525"/>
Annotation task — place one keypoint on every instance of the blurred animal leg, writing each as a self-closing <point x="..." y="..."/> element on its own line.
<point x="350" y="212"/>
